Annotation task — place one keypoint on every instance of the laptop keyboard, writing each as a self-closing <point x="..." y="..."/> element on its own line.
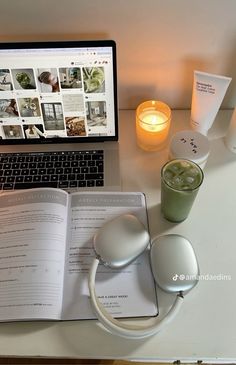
<point x="64" y="170"/>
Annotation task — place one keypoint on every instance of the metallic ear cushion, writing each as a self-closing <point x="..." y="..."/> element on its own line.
<point x="120" y="241"/>
<point x="174" y="263"/>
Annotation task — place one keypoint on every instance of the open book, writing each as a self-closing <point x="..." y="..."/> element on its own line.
<point x="45" y="254"/>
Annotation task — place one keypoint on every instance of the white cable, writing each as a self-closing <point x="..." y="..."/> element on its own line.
<point x="122" y="329"/>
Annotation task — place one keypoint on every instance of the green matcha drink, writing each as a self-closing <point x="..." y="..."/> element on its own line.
<point x="180" y="181"/>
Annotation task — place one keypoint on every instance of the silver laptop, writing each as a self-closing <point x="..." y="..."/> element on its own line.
<point x="58" y="115"/>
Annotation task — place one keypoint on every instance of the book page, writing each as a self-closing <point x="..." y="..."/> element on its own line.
<point x="129" y="292"/>
<point x="32" y="253"/>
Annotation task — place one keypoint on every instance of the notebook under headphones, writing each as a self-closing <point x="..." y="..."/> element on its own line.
<point x="58" y="115"/>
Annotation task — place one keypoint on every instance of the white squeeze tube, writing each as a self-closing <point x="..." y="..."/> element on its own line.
<point x="208" y="93"/>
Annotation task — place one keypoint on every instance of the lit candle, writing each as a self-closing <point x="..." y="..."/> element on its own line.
<point x="152" y="125"/>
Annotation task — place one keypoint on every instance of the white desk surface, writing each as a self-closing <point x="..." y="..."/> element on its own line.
<point x="205" y="328"/>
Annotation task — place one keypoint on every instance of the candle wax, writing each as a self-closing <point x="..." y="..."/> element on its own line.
<point x="153" y="120"/>
<point x="152" y="129"/>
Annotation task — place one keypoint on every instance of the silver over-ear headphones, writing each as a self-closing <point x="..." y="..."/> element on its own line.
<point x="121" y="241"/>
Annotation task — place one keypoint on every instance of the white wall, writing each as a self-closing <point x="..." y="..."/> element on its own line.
<point x="160" y="42"/>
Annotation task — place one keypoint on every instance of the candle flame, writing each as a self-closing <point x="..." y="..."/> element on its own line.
<point x="154" y="119"/>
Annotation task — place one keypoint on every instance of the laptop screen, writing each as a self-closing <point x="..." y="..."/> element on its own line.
<point x="57" y="92"/>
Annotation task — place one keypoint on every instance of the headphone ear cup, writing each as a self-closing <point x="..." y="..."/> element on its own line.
<point x="174" y="263"/>
<point x="120" y="241"/>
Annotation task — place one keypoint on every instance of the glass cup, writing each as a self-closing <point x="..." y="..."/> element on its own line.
<point x="180" y="182"/>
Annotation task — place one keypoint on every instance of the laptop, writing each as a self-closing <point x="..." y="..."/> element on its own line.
<point x="58" y="115"/>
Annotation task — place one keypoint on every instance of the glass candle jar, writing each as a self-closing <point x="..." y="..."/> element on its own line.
<point x="152" y="125"/>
